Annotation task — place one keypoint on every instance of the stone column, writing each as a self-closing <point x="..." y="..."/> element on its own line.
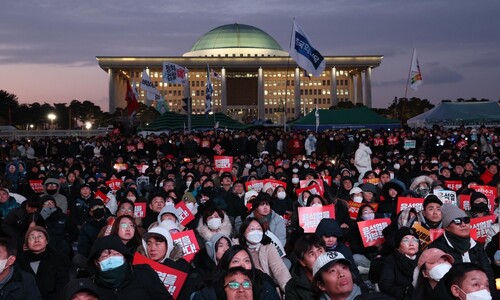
<point x="368" y="87"/>
<point x="334" y="100"/>
<point x="351" y="88"/>
<point x="260" y="95"/>
<point x="359" y="87"/>
<point x="111" y="90"/>
<point x="296" y="83"/>
<point x="223" y="91"/>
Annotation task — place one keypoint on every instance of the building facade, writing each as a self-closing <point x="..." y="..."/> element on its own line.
<point x="258" y="79"/>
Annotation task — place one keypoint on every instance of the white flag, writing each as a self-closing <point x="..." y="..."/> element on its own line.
<point x="173" y="73"/>
<point x="149" y="87"/>
<point x="304" y="53"/>
<point x="415" y="75"/>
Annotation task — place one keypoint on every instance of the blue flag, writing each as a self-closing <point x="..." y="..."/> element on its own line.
<point x="304" y="54"/>
<point x="208" y="93"/>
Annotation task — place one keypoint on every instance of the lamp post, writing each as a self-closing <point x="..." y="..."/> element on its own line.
<point x="51" y="117"/>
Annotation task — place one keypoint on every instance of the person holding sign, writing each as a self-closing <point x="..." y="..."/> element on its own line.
<point x="397" y="273"/>
<point x="110" y="263"/>
<point x="457" y="240"/>
<point x="263" y="252"/>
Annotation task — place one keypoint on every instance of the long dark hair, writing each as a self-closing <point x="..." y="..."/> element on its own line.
<point x="243" y="240"/>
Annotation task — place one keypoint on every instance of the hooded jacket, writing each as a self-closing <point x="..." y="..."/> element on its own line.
<point x="61" y="200"/>
<point x="205" y="232"/>
<point x="362" y="159"/>
<point x="140" y="282"/>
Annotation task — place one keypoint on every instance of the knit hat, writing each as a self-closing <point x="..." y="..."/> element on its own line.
<point x="267" y="186"/>
<point x="36" y="228"/>
<point x="431" y="199"/>
<point x="327" y="259"/>
<point x="477" y="195"/>
<point x="168" y="209"/>
<point x="401" y="233"/>
<point x="328" y="227"/>
<point x="451" y="211"/>
<point x="432" y="255"/>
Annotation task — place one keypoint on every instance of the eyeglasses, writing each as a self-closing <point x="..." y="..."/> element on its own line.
<point x="125" y="225"/>
<point x="409" y="240"/>
<point x="33" y="238"/>
<point x="234" y="285"/>
<point x="126" y="209"/>
<point x="458" y="221"/>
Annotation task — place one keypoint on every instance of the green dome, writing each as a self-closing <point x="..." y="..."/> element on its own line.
<point x="236" y="36"/>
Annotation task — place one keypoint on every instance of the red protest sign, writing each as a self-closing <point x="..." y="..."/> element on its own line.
<point x="328" y="179"/>
<point x="120" y="167"/>
<point x="481" y="225"/>
<point x="374" y="181"/>
<point x="139" y="210"/>
<point x="218" y="149"/>
<point x="435" y="234"/>
<point x="254" y="185"/>
<point x="371" y="231"/>
<point x="223" y="163"/>
<point x="489" y="191"/>
<point x="172" y="279"/>
<point x="464" y="202"/>
<point x="454" y="185"/>
<point x="461" y="144"/>
<point x="305" y="183"/>
<point x="354" y="208"/>
<point x="187" y="241"/>
<point x="114" y="184"/>
<point x="183" y="213"/>
<point x="100" y="195"/>
<point x="309" y="217"/>
<point x="36" y="186"/>
<point x="275" y="183"/>
<point x="405" y="202"/>
<point x="313" y="189"/>
<point x="205" y="144"/>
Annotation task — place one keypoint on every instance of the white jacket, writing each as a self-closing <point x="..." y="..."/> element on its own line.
<point x="362" y="160"/>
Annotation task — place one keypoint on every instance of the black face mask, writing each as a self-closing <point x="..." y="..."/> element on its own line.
<point x="208" y="191"/>
<point x="480" y="207"/>
<point x="51" y="192"/>
<point x="98" y="213"/>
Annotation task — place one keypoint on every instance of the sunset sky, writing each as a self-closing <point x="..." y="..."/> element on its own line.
<point x="48" y="48"/>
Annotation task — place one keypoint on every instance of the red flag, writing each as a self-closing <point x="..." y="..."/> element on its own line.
<point x="132" y="104"/>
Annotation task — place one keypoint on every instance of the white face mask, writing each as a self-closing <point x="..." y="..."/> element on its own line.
<point x="214" y="223"/>
<point x="169" y="203"/>
<point x="295" y="180"/>
<point x="188" y="183"/>
<point x="295" y="170"/>
<point x="439" y="271"/>
<point x="357" y="199"/>
<point x="367" y="217"/>
<point x="192" y="207"/>
<point x="248" y="166"/>
<point x="281" y="195"/>
<point x="254" y="237"/>
<point x="316" y="205"/>
<point x="397" y="166"/>
<point x="391" y="175"/>
<point x="306" y="166"/>
<point x="479" y="295"/>
<point x="3" y="263"/>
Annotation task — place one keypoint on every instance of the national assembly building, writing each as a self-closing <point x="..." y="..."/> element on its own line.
<point x="258" y="79"/>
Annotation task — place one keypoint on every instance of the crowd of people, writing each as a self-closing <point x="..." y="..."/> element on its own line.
<point x="71" y="228"/>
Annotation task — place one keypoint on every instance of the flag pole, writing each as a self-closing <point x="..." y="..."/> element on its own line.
<point x="286" y="80"/>
<point x="409" y="73"/>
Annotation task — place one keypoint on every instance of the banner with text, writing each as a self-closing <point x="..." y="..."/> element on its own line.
<point x="309" y="217"/>
<point x="187" y="241"/>
<point x="405" y="202"/>
<point x="371" y="231"/>
<point x="36" y="186"/>
<point x="223" y="163"/>
<point x="354" y="208"/>
<point x="482" y="224"/>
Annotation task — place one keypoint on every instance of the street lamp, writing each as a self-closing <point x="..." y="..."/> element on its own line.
<point x="51" y="117"/>
<point x="88" y="125"/>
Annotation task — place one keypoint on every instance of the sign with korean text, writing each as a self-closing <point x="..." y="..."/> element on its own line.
<point x="277" y="243"/>
<point x="36" y="186"/>
<point x="454" y="185"/>
<point x="435" y="234"/>
<point x="173" y="73"/>
<point x="223" y="163"/>
<point x="461" y="144"/>
<point x="410" y="144"/>
<point x="405" y="202"/>
<point x="371" y="231"/>
<point x="464" y="202"/>
<point x="392" y="140"/>
<point x="447" y="196"/>
<point x="172" y="279"/>
<point x="120" y="167"/>
<point x="254" y="185"/>
<point x="481" y="224"/>
<point x="313" y="189"/>
<point x="184" y="215"/>
<point x="306" y="183"/>
<point x="187" y="241"/>
<point x="218" y="149"/>
<point x="139" y="209"/>
<point x="371" y="180"/>
<point x="354" y="208"/>
<point x="275" y="183"/>
<point x="489" y="191"/>
<point x="423" y="233"/>
<point x="309" y="217"/>
<point x="114" y="184"/>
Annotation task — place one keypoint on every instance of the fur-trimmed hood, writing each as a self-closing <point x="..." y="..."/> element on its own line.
<point x="419" y="180"/>
<point x="205" y="232"/>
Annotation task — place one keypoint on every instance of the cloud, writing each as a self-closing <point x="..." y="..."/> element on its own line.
<point x="486" y="60"/>
<point x="436" y="73"/>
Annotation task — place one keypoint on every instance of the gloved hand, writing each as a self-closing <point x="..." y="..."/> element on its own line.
<point x="496" y="257"/>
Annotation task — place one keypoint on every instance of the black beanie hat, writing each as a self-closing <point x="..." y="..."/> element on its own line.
<point x="401" y="233"/>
